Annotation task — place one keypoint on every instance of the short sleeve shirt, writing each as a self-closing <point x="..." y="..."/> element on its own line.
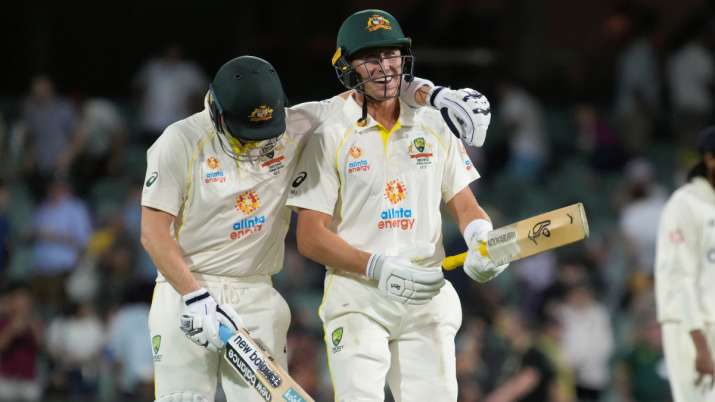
<point x="231" y="215"/>
<point x="382" y="187"/>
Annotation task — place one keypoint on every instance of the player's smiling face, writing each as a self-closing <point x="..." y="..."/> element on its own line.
<point x="381" y="71"/>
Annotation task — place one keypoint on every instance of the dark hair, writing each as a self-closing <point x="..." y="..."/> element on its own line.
<point x="699" y="170"/>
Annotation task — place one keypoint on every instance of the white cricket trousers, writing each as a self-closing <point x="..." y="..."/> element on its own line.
<point x="182" y="366"/>
<point x="680" y="359"/>
<point x="371" y="339"/>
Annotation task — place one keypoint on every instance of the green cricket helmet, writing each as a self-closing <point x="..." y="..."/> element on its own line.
<point x="364" y="30"/>
<point x="247" y="101"/>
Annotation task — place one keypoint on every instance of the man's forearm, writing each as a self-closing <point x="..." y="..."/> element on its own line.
<point x="169" y="260"/>
<point x="465" y="208"/>
<point x="701" y="344"/>
<point x="320" y="244"/>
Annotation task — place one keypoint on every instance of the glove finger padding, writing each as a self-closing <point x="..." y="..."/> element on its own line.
<point x="466" y="112"/>
<point x="199" y="320"/>
<point x="481" y="269"/>
<point x="401" y="280"/>
<point x="194" y="328"/>
<point x="430" y="278"/>
<point x="452" y="122"/>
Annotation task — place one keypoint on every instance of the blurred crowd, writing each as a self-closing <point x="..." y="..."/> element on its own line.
<point x="573" y="325"/>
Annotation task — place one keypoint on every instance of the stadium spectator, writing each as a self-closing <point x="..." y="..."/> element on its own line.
<point x="20" y="339"/>
<point x="640" y="215"/>
<point x="128" y="346"/>
<point x="691" y="73"/>
<point x="597" y="139"/>
<point x="74" y="343"/>
<point x="51" y="123"/>
<point x="638" y="80"/>
<point x="102" y="135"/>
<point x="171" y="88"/>
<point x="61" y="229"/>
<point x="4" y="228"/>
<point x="641" y="374"/>
<point x="587" y="341"/>
<point x="528" y="373"/>
<point x="521" y="116"/>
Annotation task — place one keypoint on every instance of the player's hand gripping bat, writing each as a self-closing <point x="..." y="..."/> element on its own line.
<point x="530" y="236"/>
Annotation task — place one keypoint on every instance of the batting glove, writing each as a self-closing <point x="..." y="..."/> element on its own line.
<point x="466" y="112"/>
<point x="401" y="280"/>
<point x="201" y="318"/>
<point x="478" y="267"/>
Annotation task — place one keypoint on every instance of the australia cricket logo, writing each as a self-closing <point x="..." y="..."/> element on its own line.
<point x="337" y="336"/>
<point x="376" y="22"/>
<point x="541" y="228"/>
<point x="155" y="346"/>
<point x="420" y="151"/>
<point x="261" y="113"/>
<point x="419" y="144"/>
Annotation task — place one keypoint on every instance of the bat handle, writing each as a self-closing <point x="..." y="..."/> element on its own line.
<point x="455" y="261"/>
<point x="224" y="332"/>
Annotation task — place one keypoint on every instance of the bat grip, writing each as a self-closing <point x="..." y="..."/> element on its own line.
<point x="455" y="261"/>
<point x="224" y="332"/>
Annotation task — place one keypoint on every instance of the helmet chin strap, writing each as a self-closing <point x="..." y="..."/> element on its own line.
<point x="362" y="121"/>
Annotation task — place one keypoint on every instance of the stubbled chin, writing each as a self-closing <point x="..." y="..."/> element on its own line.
<point x="378" y="92"/>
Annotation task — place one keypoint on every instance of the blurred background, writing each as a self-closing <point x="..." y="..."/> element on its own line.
<point x="592" y="101"/>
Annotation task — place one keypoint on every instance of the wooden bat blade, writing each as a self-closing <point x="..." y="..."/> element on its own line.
<point x="531" y="236"/>
<point x="253" y="363"/>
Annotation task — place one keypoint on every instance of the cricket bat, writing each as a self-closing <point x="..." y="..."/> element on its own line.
<point x="258" y="368"/>
<point x="530" y="236"/>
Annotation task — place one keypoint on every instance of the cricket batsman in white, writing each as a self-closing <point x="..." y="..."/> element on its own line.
<point x="368" y="189"/>
<point x="685" y="279"/>
<point x="214" y="222"/>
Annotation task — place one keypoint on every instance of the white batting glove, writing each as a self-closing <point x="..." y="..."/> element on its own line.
<point x="466" y="112"/>
<point x="401" y="280"/>
<point x="201" y="318"/>
<point x="478" y="267"/>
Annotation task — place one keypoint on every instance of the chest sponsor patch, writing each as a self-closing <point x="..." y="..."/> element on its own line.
<point x="247" y="227"/>
<point x="215" y="173"/>
<point x="399" y="218"/>
<point x="247" y="202"/>
<point x="356" y="161"/>
<point x="421" y="152"/>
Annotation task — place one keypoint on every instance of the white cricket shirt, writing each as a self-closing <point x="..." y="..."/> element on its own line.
<point x="231" y="216"/>
<point x="382" y="188"/>
<point x="685" y="256"/>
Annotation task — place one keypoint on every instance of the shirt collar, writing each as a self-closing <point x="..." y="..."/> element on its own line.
<point x="353" y="112"/>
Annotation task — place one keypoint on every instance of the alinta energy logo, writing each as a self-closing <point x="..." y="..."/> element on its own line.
<point x="396" y="218"/>
<point x="357" y="164"/>
<point x="215" y="174"/>
<point x="247" y="202"/>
